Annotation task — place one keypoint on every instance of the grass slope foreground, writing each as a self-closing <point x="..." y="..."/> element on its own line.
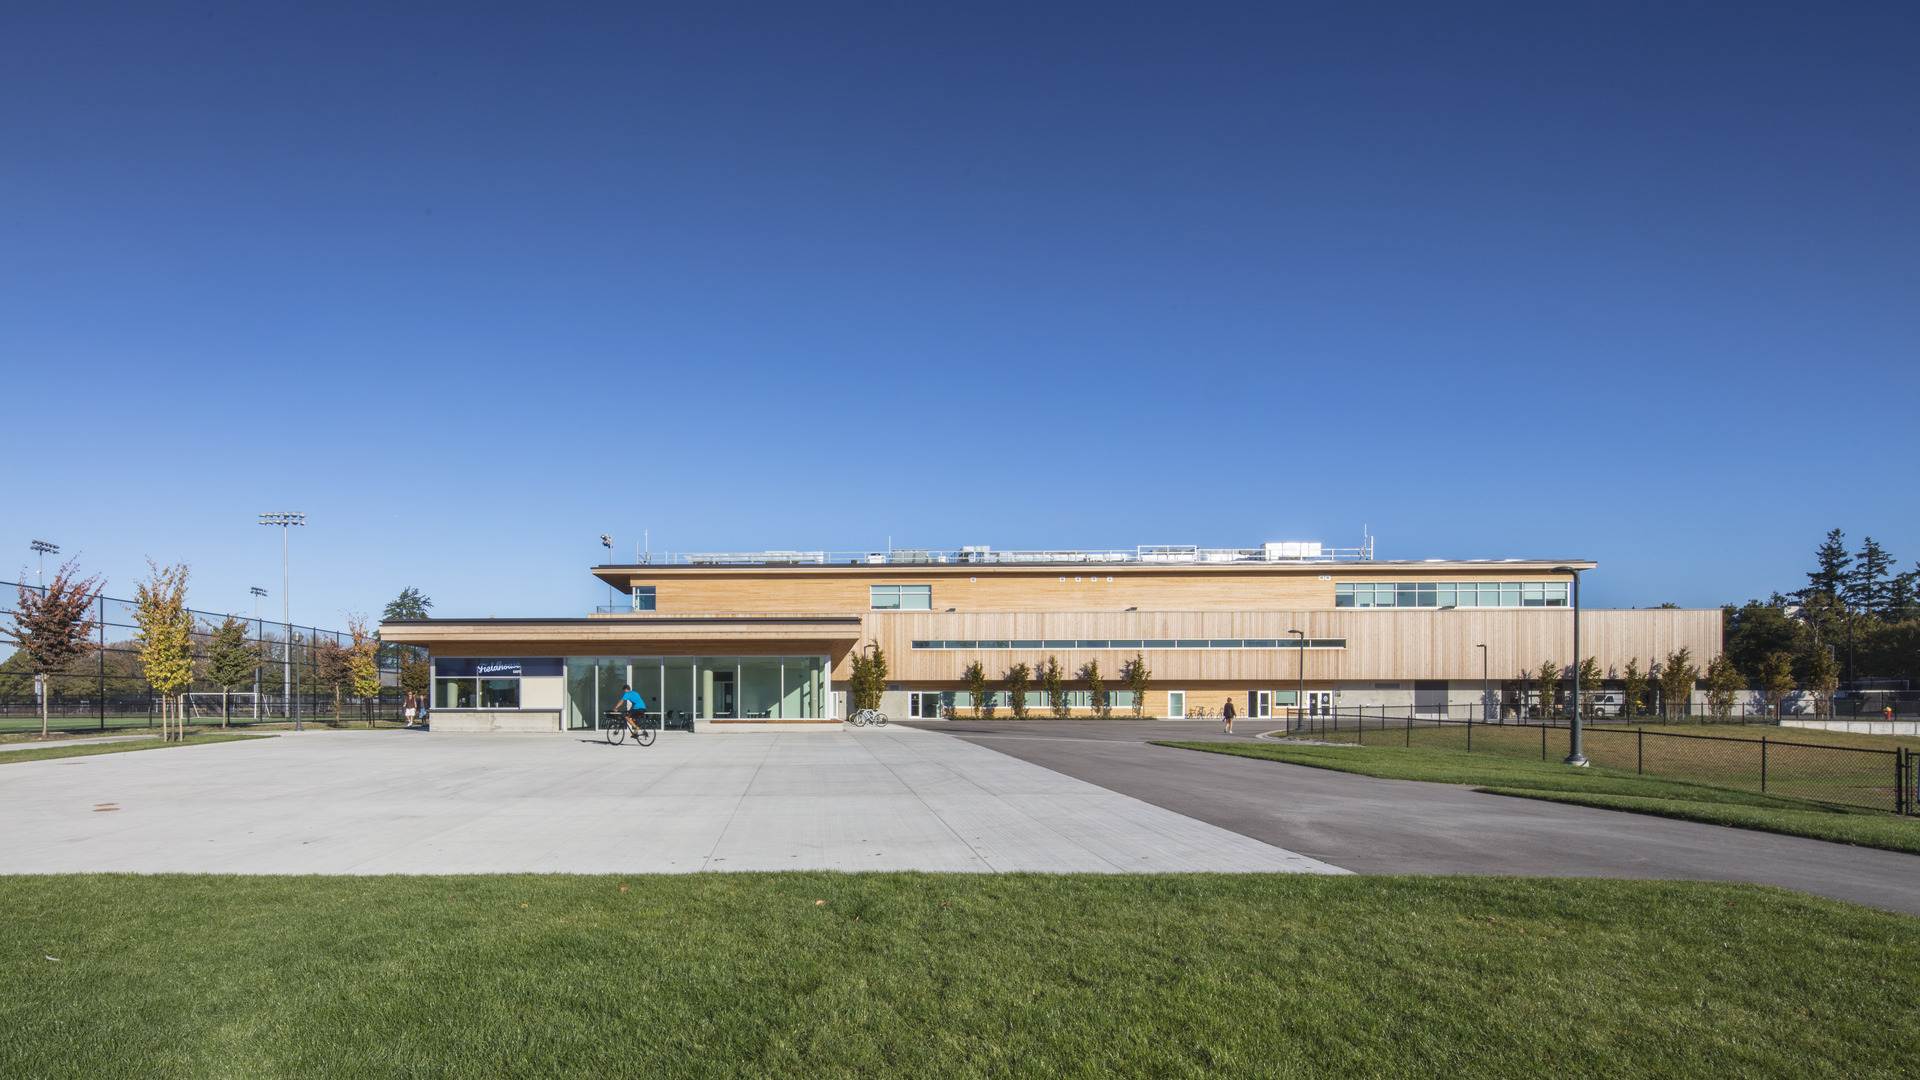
<point x="946" y="975"/>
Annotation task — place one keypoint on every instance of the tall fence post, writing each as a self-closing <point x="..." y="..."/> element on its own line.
<point x="1409" y="729"/>
<point x="1763" y="764"/>
<point x="1640" y="751"/>
<point x="1543" y="741"/>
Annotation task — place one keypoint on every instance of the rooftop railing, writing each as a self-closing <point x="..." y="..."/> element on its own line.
<point x="1287" y="552"/>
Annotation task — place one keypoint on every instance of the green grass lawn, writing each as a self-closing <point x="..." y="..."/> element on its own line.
<point x="56" y="750"/>
<point x="1595" y="786"/>
<point x="1822" y="766"/>
<point x="947" y="975"/>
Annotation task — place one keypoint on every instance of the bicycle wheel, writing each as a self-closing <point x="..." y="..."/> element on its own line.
<point x="616" y="732"/>
<point x="644" y="736"/>
<point x="879" y="719"/>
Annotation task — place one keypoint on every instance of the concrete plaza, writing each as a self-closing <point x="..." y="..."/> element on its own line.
<point x="414" y="802"/>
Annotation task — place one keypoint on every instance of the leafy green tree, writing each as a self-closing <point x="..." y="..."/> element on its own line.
<point x="1869" y="585"/>
<point x="332" y="669"/>
<point x="363" y="662"/>
<point x="1724" y="683"/>
<point x="231" y="660"/>
<point x="1633" y="686"/>
<point x="53" y="628"/>
<point x="1676" y="678"/>
<point x="1821" y="675"/>
<point x="166" y="639"/>
<point x="1016" y="681"/>
<point x="411" y="604"/>
<point x="1776" y="679"/>
<point x="416" y="675"/>
<point x="1137" y="677"/>
<point x="1593" y="681"/>
<point x="1096" y="689"/>
<point x="974" y="678"/>
<point x="1549" y="678"/>
<point x="1756" y="630"/>
<point x="1526" y="686"/>
<point x="1053" y="680"/>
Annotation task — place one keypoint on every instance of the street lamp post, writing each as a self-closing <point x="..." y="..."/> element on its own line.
<point x="1300" y="695"/>
<point x="1486" y="692"/>
<point x="606" y="541"/>
<point x="286" y="519"/>
<point x="1575" y="750"/>
<point x="42" y="549"/>
<point x="257" y="592"/>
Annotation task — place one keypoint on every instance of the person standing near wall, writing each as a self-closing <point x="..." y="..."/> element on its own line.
<point x="1226" y="716"/>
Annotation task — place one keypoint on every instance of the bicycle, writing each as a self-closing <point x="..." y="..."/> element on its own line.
<point x="622" y="725"/>
<point x="867" y="717"/>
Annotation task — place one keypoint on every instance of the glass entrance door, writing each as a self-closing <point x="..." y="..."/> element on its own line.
<point x="1259" y="704"/>
<point x="1319" y="703"/>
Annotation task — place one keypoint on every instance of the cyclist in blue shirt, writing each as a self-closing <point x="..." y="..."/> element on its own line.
<point x="630" y="703"/>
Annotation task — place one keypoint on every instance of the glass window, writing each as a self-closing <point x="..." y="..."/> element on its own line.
<point x="1031" y="643"/>
<point x="1118" y="643"/>
<point x="900" y="597"/>
<point x="1444" y="595"/>
<point x="1176" y="704"/>
<point x="1428" y="594"/>
<point x="499" y="693"/>
<point x="453" y="693"/>
<point x="1262" y="643"/>
<point x="643" y="598"/>
<point x="1158" y="643"/>
<point x="1509" y="594"/>
<point x="1468" y="596"/>
<point x="962" y="643"/>
<point x="1223" y="643"/>
<point x="926" y="644"/>
<point x="1327" y="643"/>
<point x="1190" y="643"/>
<point x="996" y="644"/>
<point x="1120" y="699"/>
<point x="1489" y="594"/>
<point x="1086" y="643"/>
<point x="1409" y="595"/>
<point x="1058" y="643"/>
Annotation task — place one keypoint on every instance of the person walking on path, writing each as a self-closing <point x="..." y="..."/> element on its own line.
<point x="1226" y="715"/>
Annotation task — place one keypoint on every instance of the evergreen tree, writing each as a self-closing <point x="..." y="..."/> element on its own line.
<point x="410" y="604"/>
<point x="1869" y="585"/>
<point x="1906" y="596"/>
<point x="1831" y="561"/>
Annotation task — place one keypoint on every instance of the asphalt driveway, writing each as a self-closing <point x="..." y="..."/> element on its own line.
<point x="1406" y="827"/>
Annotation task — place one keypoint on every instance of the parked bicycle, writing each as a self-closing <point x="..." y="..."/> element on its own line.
<point x="622" y="724"/>
<point x="868" y="718"/>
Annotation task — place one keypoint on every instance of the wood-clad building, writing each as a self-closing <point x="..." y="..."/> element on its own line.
<point x="769" y="636"/>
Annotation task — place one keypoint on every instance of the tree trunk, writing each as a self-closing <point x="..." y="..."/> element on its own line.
<point x="43" y="708"/>
<point x="225" y="707"/>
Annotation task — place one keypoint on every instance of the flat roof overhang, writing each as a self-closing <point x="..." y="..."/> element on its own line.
<point x="622" y="575"/>
<point x="624" y="630"/>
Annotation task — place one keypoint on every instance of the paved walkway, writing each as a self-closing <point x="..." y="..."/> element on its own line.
<point x="413" y="802"/>
<point x="36" y="744"/>
<point x="1377" y="826"/>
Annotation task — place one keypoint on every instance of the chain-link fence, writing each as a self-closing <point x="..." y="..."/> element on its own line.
<point x="1864" y="777"/>
<point x="106" y="689"/>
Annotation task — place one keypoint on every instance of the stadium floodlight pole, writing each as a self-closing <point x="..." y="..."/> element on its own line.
<point x="257" y="592"/>
<point x="1575" y="756"/>
<point x="1486" y="696"/>
<point x="1300" y="695"/>
<point x="42" y="549"/>
<point x="286" y="519"/>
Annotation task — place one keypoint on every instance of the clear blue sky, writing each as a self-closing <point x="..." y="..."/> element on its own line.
<point x="471" y="286"/>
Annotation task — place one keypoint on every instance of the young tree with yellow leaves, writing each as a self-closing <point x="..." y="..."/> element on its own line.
<point x="166" y="639"/>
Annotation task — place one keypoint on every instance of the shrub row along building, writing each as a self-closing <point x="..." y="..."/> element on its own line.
<point x="769" y="637"/>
